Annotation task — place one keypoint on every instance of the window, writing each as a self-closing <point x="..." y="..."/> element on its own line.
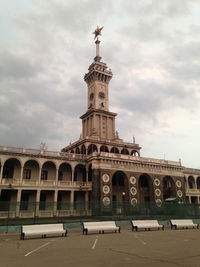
<point x="8" y="171"/>
<point x="44" y="175"/>
<point x="60" y="176"/>
<point x="27" y="174"/>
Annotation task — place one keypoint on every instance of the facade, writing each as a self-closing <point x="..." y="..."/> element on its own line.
<point x="99" y="167"/>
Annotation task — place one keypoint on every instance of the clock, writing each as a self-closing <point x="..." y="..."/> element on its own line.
<point x="91" y="96"/>
<point x="101" y="95"/>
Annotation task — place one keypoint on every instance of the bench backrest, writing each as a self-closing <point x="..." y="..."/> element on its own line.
<point x="41" y="227"/>
<point x="187" y="221"/>
<point x="145" y="222"/>
<point x="100" y="224"/>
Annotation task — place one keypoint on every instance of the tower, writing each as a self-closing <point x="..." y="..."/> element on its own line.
<point x="98" y="121"/>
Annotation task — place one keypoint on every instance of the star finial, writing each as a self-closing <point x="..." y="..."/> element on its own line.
<point x="97" y="32"/>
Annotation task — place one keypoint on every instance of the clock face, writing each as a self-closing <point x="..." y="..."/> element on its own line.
<point x="91" y="96"/>
<point x="101" y="95"/>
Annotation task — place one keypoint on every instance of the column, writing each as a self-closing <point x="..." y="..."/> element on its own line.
<point x="72" y="201"/>
<point x="190" y="199"/>
<point x="55" y="198"/>
<point x="72" y="175"/>
<point x="1" y="173"/>
<point x="195" y="182"/>
<point x="21" y="174"/>
<point x="18" y="202"/>
<point x="39" y="178"/>
<point x="57" y="176"/>
<point x="37" y="204"/>
<point x="86" y="176"/>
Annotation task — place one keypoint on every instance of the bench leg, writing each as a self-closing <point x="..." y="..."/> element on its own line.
<point x="65" y="232"/>
<point x="22" y="236"/>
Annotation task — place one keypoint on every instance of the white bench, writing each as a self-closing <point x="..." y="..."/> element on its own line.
<point x="146" y="225"/>
<point x="42" y="230"/>
<point x="187" y="223"/>
<point x="100" y="227"/>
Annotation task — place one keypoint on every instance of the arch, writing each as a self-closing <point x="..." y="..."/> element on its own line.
<point x="104" y="148"/>
<point x="65" y="172"/>
<point x="198" y="182"/>
<point x="31" y="169"/>
<point x="92" y="148"/>
<point x="83" y="149"/>
<point x="77" y="150"/>
<point x="134" y="153"/>
<point x="114" y="150"/>
<point x="146" y="188"/>
<point x="169" y="187"/>
<point x="124" y="151"/>
<point x="48" y="171"/>
<point x="191" y="182"/>
<point x="120" y="187"/>
<point x="12" y="168"/>
<point x="80" y="173"/>
<point x="72" y="151"/>
<point x="90" y="173"/>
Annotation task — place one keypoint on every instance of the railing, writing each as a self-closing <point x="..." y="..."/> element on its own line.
<point x="112" y="210"/>
<point x="137" y="158"/>
<point x="26" y="182"/>
<point x="29" y="182"/>
<point x="192" y="191"/>
<point x="10" y="181"/>
<point x="41" y="152"/>
<point x="81" y="156"/>
<point x="47" y="182"/>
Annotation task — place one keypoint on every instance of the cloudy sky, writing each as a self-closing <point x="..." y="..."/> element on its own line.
<point x="152" y="47"/>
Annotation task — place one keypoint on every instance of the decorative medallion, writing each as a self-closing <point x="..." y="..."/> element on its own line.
<point x="178" y="183"/>
<point x="106" y="201"/>
<point x="106" y="189"/>
<point x="157" y="192"/>
<point x="105" y="178"/>
<point x="133" y="191"/>
<point x="156" y="182"/>
<point x="132" y="180"/>
<point x="158" y="202"/>
<point x="133" y="201"/>
<point x="179" y="193"/>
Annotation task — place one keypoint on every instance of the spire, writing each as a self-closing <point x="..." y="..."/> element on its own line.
<point x="97" y="58"/>
<point x="97" y="32"/>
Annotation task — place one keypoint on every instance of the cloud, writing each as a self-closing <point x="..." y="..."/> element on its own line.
<point x="151" y="46"/>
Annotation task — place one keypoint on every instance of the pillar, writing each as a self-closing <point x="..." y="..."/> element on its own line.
<point x="72" y="201"/>
<point x="55" y="198"/>
<point x="39" y="178"/>
<point x="37" y="204"/>
<point x="21" y="174"/>
<point x="57" y="177"/>
<point x="19" y="192"/>
<point x="72" y="175"/>
<point x="195" y="182"/>
<point x="86" y="176"/>
<point x="1" y="173"/>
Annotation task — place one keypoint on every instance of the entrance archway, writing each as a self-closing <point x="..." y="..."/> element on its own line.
<point x="169" y="188"/>
<point x="146" y="188"/>
<point x="120" y="187"/>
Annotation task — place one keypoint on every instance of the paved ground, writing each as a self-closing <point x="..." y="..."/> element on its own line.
<point x="167" y="248"/>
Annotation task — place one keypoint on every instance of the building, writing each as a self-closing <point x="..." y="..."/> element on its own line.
<point x="99" y="167"/>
